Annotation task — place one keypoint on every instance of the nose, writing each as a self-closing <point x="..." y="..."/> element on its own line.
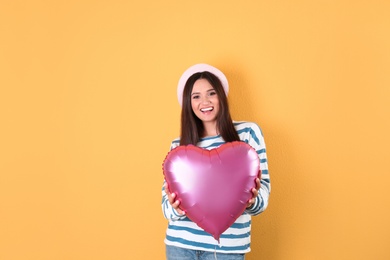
<point x="205" y="100"/>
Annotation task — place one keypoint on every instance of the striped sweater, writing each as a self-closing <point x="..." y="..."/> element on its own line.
<point x="182" y="232"/>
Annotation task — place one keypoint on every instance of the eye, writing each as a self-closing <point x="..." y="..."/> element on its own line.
<point x="195" y="97"/>
<point x="212" y="93"/>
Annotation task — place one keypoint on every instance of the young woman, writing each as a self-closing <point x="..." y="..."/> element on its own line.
<point x="206" y="122"/>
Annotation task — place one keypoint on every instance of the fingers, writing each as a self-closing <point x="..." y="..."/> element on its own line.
<point x="172" y="198"/>
<point x="175" y="203"/>
<point x="255" y="192"/>
<point x="250" y="202"/>
<point x="257" y="183"/>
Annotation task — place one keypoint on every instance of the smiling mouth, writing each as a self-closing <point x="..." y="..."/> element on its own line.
<point x="207" y="109"/>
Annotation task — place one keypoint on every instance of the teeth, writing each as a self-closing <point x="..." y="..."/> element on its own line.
<point x="206" y="109"/>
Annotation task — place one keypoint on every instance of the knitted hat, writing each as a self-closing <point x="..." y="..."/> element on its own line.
<point x="201" y="67"/>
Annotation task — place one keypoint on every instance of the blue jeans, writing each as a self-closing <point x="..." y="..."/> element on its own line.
<point x="177" y="253"/>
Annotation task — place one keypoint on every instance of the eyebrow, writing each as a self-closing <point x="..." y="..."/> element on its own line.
<point x="211" y="89"/>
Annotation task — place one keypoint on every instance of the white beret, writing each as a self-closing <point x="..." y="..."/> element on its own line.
<point x="201" y="67"/>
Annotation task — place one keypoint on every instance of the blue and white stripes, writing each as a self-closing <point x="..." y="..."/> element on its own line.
<point x="182" y="232"/>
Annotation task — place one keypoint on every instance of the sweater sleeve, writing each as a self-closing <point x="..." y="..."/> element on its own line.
<point x="168" y="211"/>
<point x="255" y="138"/>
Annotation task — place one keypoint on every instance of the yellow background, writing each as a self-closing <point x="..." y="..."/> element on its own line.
<point x="88" y="109"/>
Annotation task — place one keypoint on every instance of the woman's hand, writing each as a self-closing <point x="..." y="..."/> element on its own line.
<point x="172" y="200"/>
<point x="255" y="192"/>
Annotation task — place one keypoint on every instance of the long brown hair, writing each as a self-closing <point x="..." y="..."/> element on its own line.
<point x="191" y="126"/>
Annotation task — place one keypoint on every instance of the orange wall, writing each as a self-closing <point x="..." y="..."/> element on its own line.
<point x="88" y="109"/>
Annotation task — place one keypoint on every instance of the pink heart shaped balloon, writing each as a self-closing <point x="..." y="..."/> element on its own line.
<point x="213" y="186"/>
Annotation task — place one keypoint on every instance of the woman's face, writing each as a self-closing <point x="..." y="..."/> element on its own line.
<point x="204" y="101"/>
